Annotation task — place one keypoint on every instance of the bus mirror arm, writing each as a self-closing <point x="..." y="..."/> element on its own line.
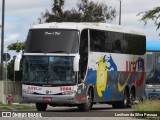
<point x="17" y="62"/>
<point x="76" y="63"/>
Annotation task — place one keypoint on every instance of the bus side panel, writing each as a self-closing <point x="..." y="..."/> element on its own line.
<point x="140" y="88"/>
<point x="111" y="73"/>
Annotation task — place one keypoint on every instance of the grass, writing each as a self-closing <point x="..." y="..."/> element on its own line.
<point x="150" y="107"/>
<point x="16" y="107"/>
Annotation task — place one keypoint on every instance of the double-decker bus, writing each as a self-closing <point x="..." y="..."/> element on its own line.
<point x="80" y="64"/>
<point x="153" y="69"/>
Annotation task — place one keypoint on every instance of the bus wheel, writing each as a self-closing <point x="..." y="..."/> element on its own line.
<point x="125" y="102"/>
<point x="89" y="103"/>
<point x="41" y="106"/>
<point x="132" y="97"/>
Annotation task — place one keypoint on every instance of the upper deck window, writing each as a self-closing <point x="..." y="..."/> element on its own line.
<point x="52" y="41"/>
<point x="117" y="42"/>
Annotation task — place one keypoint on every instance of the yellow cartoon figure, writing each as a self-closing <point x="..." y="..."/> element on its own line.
<point x="101" y="80"/>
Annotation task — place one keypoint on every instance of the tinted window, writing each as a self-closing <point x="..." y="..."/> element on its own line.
<point x="109" y="41"/>
<point x="158" y="61"/>
<point x="83" y="55"/>
<point x="114" y="42"/>
<point x="52" y="41"/>
<point x="137" y="44"/>
<point x="149" y="61"/>
<point x="84" y="41"/>
<point x="97" y="40"/>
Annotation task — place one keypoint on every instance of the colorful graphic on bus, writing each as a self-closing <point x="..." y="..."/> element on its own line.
<point x="107" y="68"/>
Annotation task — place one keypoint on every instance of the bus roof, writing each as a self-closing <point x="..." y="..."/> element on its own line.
<point x="153" y="45"/>
<point x="84" y="25"/>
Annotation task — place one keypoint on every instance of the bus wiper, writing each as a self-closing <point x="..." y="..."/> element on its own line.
<point x="64" y="81"/>
<point x="60" y="80"/>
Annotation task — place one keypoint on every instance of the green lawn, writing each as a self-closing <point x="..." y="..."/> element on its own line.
<point x="148" y="105"/>
<point x="16" y="107"/>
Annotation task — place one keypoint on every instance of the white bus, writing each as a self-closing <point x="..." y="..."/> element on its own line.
<point x="79" y="64"/>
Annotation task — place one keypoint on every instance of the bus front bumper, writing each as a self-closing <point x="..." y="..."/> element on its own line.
<point x="51" y="99"/>
<point x="153" y="95"/>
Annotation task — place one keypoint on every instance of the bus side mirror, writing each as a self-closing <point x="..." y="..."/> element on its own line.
<point x="76" y="63"/>
<point x="17" y="62"/>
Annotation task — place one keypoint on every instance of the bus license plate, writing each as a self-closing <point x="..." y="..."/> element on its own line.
<point x="46" y="99"/>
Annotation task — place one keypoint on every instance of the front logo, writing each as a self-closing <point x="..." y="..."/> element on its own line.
<point x="47" y="91"/>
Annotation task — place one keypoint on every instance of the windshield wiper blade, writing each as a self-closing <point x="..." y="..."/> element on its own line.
<point x="60" y="80"/>
<point x="65" y="81"/>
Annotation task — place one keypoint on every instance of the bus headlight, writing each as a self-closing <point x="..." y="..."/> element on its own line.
<point x="69" y="92"/>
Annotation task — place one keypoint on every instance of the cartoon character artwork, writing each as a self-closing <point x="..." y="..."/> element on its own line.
<point x="111" y="66"/>
<point x="101" y="80"/>
<point x="108" y="80"/>
<point x="98" y="76"/>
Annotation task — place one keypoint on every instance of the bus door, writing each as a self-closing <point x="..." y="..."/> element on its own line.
<point x="83" y="51"/>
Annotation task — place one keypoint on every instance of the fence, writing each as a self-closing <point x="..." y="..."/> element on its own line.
<point x="10" y="87"/>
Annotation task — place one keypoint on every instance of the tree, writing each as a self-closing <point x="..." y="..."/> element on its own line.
<point x="86" y="12"/>
<point x="18" y="46"/>
<point x="153" y="15"/>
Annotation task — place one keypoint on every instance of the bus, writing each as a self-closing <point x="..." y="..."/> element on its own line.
<point x="81" y="64"/>
<point x="153" y="69"/>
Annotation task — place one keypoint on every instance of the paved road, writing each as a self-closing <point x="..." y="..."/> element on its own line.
<point x="96" y="107"/>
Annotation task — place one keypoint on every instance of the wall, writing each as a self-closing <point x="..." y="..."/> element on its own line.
<point x="10" y="87"/>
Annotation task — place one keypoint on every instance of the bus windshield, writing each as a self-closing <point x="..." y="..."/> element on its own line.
<point x="52" y="70"/>
<point x="52" y="41"/>
<point x="158" y="61"/>
<point x="153" y="67"/>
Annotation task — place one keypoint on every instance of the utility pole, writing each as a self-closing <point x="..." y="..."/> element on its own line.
<point x="120" y="12"/>
<point x="2" y="37"/>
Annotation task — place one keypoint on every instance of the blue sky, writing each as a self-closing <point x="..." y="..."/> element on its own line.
<point x="20" y="15"/>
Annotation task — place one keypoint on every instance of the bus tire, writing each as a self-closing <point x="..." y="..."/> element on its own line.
<point x="88" y="105"/>
<point x="132" y="97"/>
<point x="41" y="106"/>
<point x="115" y="105"/>
<point x="125" y="102"/>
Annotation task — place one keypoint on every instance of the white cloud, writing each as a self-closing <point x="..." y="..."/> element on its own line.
<point x="12" y="37"/>
<point x="12" y="5"/>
